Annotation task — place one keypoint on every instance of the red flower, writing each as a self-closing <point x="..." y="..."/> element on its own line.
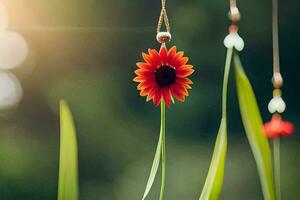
<point x="164" y="75"/>
<point x="277" y="127"/>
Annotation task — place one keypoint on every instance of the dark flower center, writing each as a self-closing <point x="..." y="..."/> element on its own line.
<point x="165" y="75"/>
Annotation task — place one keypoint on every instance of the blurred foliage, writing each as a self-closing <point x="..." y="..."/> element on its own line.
<point x="117" y="131"/>
<point x="253" y="125"/>
<point x="215" y="177"/>
<point x="68" y="156"/>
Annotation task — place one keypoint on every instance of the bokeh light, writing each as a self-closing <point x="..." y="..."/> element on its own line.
<point x="3" y="17"/>
<point x="11" y="91"/>
<point x="13" y="49"/>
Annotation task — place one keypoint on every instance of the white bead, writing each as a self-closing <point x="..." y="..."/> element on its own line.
<point x="163" y="37"/>
<point x="277" y="105"/>
<point x="234" y="40"/>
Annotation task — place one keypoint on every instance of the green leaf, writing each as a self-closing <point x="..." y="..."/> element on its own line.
<point x="172" y="99"/>
<point x="254" y="130"/>
<point x="68" y="164"/>
<point x="154" y="167"/>
<point x="214" y="179"/>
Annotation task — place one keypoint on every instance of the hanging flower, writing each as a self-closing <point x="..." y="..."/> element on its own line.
<point x="277" y="127"/>
<point x="276" y="105"/>
<point x="163" y="75"/>
<point x="233" y="39"/>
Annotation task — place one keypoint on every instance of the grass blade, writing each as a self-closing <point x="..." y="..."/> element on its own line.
<point x="68" y="164"/>
<point x="154" y="167"/>
<point x="214" y="180"/>
<point x="253" y="126"/>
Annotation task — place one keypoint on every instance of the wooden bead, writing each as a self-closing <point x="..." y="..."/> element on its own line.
<point x="163" y="37"/>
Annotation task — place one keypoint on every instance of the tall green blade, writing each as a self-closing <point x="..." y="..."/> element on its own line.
<point x="254" y="130"/>
<point x="214" y="180"/>
<point x="68" y="163"/>
<point x="155" y="166"/>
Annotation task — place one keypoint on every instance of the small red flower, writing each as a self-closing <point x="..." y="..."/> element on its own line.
<point x="277" y="127"/>
<point x="164" y="75"/>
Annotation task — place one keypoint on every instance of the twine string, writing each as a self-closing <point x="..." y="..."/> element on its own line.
<point x="277" y="83"/>
<point x="276" y="60"/>
<point x="163" y="17"/>
<point x="233" y="4"/>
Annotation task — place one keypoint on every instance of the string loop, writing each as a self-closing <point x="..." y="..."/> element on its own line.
<point x="277" y="77"/>
<point x="163" y="18"/>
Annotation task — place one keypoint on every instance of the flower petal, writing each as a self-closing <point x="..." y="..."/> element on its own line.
<point x="269" y="131"/>
<point x="177" y="92"/>
<point x="155" y="58"/>
<point x="146" y="57"/>
<point x="157" y="97"/>
<point x="139" y="79"/>
<point x="145" y="91"/>
<point x="176" y="60"/>
<point x="183" y="61"/>
<point x="163" y="55"/>
<point x="172" y="54"/>
<point x="167" y="96"/>
<point x="143" y="65"/>
<point x="287" y="128"/>
<point x="184" y="80"/>
<point x="144" y="72"/>
<point x="184" y="72"/>
<point x="152" y="92"/>
<point x="145" y="84"/>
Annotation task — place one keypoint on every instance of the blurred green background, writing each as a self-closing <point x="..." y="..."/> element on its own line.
<point x="92" y="68"/>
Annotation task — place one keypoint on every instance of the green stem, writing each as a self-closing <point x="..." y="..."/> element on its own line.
<point x="225" y="82"/>
<point x="163" y="151"/>
<point x="276" y="152"/>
